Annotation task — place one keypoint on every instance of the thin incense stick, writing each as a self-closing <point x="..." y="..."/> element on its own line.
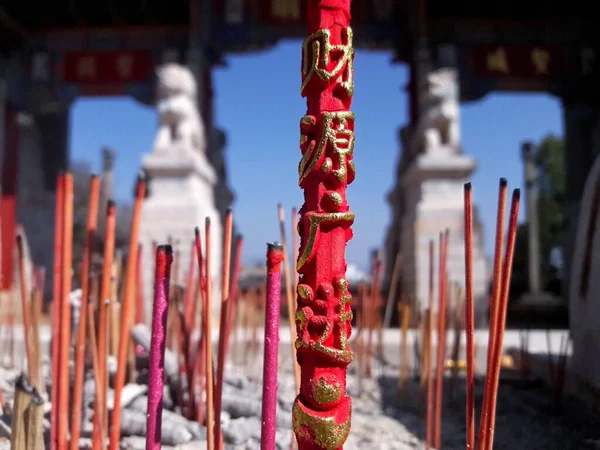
<point x="208" y="343"/>
<point x="88" y="248"/>
<point x="289" y="295"/>
<point x="56" y="308"/>
<point x="164" y="258"/>
<point x="127" y="311"/>
<point x="495" y="301"/>
<point x="65" y="316"/>
<point x="469" y="318"/>
<point x="239" y="242"/>
<point x="103" y="301"/>
<point x="139" y="292"/>
<point x="427" y="352"/>
<point x="26" y="312"/>
<point x="201" y="352"/>
<point x="273" y="304"/>
<point x="221" y="351"/>
<point x="503" y="306"/>
<point x="99" y="430"/>
<point x="441" y="336"/>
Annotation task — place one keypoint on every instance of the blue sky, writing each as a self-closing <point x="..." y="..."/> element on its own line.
<point x="258" y="103"/>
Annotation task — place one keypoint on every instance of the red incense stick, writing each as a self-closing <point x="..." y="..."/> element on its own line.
<point x="469" y="318"/>
<point x="88" y="244"/>
<point x="269" y="396"/>
<point x="65" y="314"/>
<point x="210" y="438"/>
<point x="441" y="335"/>
<point x="56" y="308"/>
<point x="164" y="258"/>
<point x="322" y="410"/>
<point x="127" y="311"/>
<point x="495" y="300"/>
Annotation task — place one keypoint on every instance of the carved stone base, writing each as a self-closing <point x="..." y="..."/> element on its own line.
<point x="433" y="190"/>
<point x="180" y="198"/>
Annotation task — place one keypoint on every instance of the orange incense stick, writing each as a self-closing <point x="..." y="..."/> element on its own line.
<point x="208" y="344"/>
<point x="223" y="323"/>
<point x="88" y="246"/>
<point x="234" y="287"/>
<point x="289" y="295"/>
<point x="103" y="301"/>
<point x="469" y="318"/>
<point x="65" y="314"/>
<point x="501" y="317"/>
<point x="127" y="311"/>
<point x="26" y="311"/>
<point x="98" y="428"/>
<point x="56" y="308"/>
<point x="441" y="335"/>
<point x="427" y="359"/>
<point x="495" y="300"/>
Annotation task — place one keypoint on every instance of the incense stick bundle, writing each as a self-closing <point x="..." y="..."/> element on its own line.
<point x="127" y="311"/>
<point x="34" y="416"/>
<point x="23" y="396"/>
<point x="164" y="258"/>
<point x="501" y="319"/>
<point x="273" y="302"/>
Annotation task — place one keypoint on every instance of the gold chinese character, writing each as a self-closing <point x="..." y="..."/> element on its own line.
<point x="541" y="60"/>
<point x="125" y="65"/>
<point x="286" y="9"/>
<point x="317" y="55"/>
<point x="497" y="61"/>
<point x="86" y="67"/>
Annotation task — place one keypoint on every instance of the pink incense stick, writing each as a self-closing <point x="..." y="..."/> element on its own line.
<point x="164" y="258"/>
<point x="269" y="397"/>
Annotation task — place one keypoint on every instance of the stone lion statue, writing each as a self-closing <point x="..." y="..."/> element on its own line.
<point x="179" y="124"/>
<point x="438" y="127"/>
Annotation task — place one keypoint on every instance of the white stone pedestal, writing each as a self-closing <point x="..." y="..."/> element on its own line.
<point x="180" y="198"/>
<point x="434" y="187"/>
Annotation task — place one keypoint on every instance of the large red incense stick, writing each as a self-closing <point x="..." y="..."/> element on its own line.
<point x="164" y="258"/>
<point x="127" y="311"/>
<point x="103" y="299"/>
<point x="56" y="308"/>
<point x="495" y="300"/>
<point x="88" y="244"/>
<point x="322" y="410"/>
<point x="26" y="311"/>
<point x="441" y="337"/>
<point x="501" y="317"/>
<point x="65" y="314"/>
<point x="225" y="272"/>
<point x="469" y="318"/>
<point x="269" y="392"/>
